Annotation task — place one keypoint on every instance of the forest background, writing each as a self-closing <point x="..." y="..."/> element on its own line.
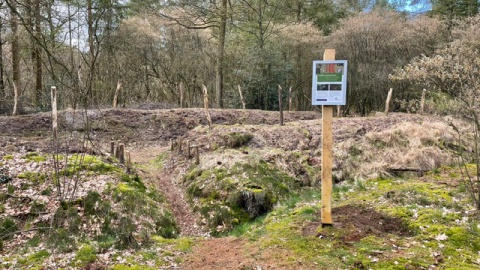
<point x="100" y="53"/>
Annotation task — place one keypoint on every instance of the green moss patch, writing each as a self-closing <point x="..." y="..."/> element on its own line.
<point x="34" y="157"/>
<point x="227" y="197"/>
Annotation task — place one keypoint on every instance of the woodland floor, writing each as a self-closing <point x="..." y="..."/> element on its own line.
<point x="147" y="135"/>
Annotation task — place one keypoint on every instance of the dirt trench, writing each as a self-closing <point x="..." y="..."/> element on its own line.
<point x="186" y="219"/>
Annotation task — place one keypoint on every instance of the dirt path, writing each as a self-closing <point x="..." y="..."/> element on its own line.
<point x="173" y="192"/>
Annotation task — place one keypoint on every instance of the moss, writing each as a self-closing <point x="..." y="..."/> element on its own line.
<point x="34" y="157"/>
<point x="134" y="267"/>
<point x="85" y="255"/>
<point x="88" y="163"/>
<point x="7" y="157"/>
<point x="35" y="178"/>
<point x="231" y="196"/>
<point x="37" y="257"/>
<point x="236" y="139"/>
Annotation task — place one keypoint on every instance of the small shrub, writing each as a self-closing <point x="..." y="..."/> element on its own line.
<point x="61" y="240"/>
<point x="90" y="201"/>
<point x="7" y="228"/>
<point x="37" y="207"/>
<point x="125" y="230"/>
<point x="4" y="177"/>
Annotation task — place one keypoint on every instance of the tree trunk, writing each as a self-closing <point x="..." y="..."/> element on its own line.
<point x="220" y="54"/>
<point x="2" y="83"/>
<point x="37" y="56"/>
<point x="92" y="51"/>
<point x="15" y="58"/>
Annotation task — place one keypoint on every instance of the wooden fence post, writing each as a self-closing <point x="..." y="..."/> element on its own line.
<point x="179" y="145"/>
<point x="422" y="102"/>
<point x="112" y="148"/>
<point x="129" y="161"/>
<point x="54" y="113"/>
<point x="290" y="99"/>
<point x="280" y="105"/>
<point x="197" y="155"/>
<point x="171" y="144"/>
<point x="205" y="105"/>
<point x="327" y="155"/>
<point x="117" y="91"/>
<point x="188" y="149"/>
<point x="241" y="96"/>
<point x="122" y="153"/>
<point x="182" y="91"/>
<point x="387" y="102"/>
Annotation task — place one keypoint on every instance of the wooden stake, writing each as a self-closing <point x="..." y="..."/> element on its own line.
<point x="387" y="102"/>
<point x="182" y="91"/>
<point x="327" y="154"/>
<point x="197" y="156"/>
<point x="290" y="98"/>
<point x="179" y="145"/>
<point x="15" y="97"/>
<point x="117" y="151"/>
<point x="422" y="102"/>
<point x="129" y="161"/>
<point x="117" y="91"/>
<point x="241" y="96"/>
<point x="280" y="106"/>
<point x="205" y="105"/>
<point x="121" y="154"/>
<point x="188" y="149"/>
<point x="53" y="93"/>
<point x="112" y="148"/>
<point x="171" y="145"/>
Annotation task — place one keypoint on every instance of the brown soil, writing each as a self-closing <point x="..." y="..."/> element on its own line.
<point x="221" y="253"/>
<point x="174" y="194"/>
<point x="357" y="222"/>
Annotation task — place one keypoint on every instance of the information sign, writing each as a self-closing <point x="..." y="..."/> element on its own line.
<point x="329" y="82"/>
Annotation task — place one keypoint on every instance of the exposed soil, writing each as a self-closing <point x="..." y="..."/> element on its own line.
<point x="357" y="222"/>
<point x="222" y="253"/>
<point x="174" y="193"/>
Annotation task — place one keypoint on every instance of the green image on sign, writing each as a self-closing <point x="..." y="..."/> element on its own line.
<point x="329" y="77"/>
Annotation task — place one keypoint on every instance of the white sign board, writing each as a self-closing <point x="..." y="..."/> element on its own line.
<point x="329" y="82"/>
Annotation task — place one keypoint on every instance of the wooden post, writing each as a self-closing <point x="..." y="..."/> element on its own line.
<point x="327" y="154"/>
<point x="197" y="155"/>
<point x="53" y="93"/>
<point x="15" y="97"/>
<point x="290" y="98"/>
<point x="280" y="105"/>
<point x="422" y="102"/>
<point x="121" y="156"/>
<point x="171" y="144"/>
<point x="182" y="91"/>
<point x="112" y="148"/>
<point x="187" y="147"/>
<point x="205" y="105"/>
<point x="241" y="96"/>
<point x="129" y="161"/>
<point x="179" y="145"/>
<point x="117" y="91"/>
<point x="387" y="102"/>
